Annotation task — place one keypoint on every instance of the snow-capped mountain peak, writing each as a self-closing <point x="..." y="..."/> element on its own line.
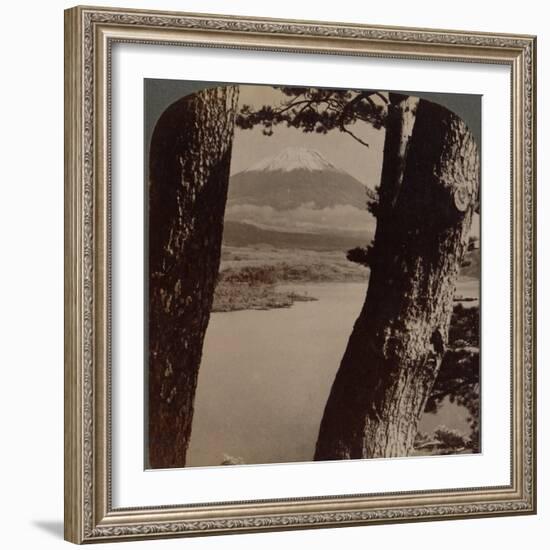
<point x="294" y="158"/>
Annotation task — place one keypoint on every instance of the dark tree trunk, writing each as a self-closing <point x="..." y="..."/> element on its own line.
<point x="427" y="197"/>
<point x="188" y="178"/>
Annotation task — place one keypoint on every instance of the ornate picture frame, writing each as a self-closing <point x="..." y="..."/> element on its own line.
<point x="90" y="36"/>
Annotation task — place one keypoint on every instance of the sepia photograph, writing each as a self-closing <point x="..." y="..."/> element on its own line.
<point x="300" y="263"/>
<point x="313" y="265"/>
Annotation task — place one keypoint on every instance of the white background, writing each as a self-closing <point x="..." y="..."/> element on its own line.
<point x="134" y="487"/>
<point x="32" y="270"/>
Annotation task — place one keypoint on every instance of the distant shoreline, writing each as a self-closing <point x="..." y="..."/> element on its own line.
<point x="250" y="277"/>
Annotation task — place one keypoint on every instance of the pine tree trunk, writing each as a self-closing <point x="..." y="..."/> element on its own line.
<point x="428" y="193"/>
<point x="189" y="173"/>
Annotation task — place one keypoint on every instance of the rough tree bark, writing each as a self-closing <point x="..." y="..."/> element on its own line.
<point x="188" y="179"/>
<point x="428" y="193"/>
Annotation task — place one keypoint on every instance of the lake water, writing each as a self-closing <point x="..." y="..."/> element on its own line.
<point x="266" y="375"/>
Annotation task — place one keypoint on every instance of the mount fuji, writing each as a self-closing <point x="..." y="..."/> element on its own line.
<point x="294" y="158"/>
<point x="295" y="177"/>
<point x="297" y="199"/>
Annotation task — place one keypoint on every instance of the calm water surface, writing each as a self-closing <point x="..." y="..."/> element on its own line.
<point x="266" y="375"/>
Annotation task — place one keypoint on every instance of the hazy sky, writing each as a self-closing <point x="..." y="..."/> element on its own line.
<point x="250" y="146"/>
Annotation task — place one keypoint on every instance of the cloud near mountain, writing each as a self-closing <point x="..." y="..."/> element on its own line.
<point x="305" y="219"/>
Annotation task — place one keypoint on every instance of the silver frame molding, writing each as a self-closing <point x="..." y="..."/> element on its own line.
<point x="89" y="35"/>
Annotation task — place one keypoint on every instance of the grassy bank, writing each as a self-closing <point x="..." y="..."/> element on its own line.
<point x="249" y="276"/>
<point x="239" y="296"/>
<point x="275" y="265"/>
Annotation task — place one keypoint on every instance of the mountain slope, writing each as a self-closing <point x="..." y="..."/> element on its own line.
<point x="288" y="190"/>
<point x="293" y="158"/>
